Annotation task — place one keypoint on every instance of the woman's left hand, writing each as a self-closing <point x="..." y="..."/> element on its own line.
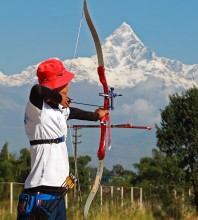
<point x="102" y="112"/>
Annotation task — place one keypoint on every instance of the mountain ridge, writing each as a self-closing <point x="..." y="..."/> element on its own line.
<point x="127" y="62"/>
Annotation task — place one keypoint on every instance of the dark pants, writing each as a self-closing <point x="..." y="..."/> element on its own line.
<point x="59" y="213"/>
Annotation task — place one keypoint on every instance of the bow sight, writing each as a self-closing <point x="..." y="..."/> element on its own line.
<point x="111" y="95"/>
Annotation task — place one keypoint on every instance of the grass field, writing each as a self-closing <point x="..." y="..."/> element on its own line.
<point x="112" y="212"/>
<point x="107" y="212"/>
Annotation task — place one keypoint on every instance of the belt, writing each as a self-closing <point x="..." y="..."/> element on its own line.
<point x="48" y="141"/>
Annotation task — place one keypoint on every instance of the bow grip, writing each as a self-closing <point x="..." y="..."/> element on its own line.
<point x="102" y="145"/>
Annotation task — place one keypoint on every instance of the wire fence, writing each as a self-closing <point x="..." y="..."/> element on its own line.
<point x="10" y="191"/>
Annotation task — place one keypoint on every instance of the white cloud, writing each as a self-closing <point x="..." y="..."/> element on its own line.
<point x="142" y="110"/>
<point x="9" y="104"/>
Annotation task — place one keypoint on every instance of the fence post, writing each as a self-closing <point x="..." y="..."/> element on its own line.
<point x="66" y="201"/>
<point x="11" y="197"/>
<point x="101" y="197"/>
<point x="132" y="195"/>
<point x="112" y="195"/>
<point x="141" y="197"/>
<point x="122" y="193"/>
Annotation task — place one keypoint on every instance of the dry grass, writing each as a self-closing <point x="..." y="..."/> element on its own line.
<point x="107" y="212"/>
<point x="112" y="212"/>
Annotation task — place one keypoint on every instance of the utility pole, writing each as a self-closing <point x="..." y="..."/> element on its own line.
<point x="76" y="142"/>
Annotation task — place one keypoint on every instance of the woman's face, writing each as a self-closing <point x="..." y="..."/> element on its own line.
<point x="63" y="89"/>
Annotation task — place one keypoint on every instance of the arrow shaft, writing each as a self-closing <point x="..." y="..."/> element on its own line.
<point x="81" y="103"/>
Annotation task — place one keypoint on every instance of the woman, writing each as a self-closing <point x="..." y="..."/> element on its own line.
<point x="45" y="124"/>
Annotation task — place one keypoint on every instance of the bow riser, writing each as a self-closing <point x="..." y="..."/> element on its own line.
<point x="102" y="145"/>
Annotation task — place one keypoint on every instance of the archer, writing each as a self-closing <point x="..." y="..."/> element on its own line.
<point x="45" y="125"/>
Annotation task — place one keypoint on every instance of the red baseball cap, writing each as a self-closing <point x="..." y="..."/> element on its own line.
<point x="52" y="73"/>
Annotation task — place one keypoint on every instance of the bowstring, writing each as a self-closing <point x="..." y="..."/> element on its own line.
<point x="78" y="35"/>
<point x="70" y="133"/>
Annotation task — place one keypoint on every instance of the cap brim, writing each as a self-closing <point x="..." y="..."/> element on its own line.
<point x="59" y="81"/>
<point x="64" y="79"/>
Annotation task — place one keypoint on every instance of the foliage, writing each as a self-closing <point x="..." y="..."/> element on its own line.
<point x="6" y="164"/>
<point x="23" y="165"/>
<point x="121" y="177"/>
<point x="178" y="135"/>
<point x="81" y="171"/>
<point x="162" y="182"/>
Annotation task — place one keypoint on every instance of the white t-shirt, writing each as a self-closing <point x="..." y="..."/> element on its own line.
<point x="49" y="162"/>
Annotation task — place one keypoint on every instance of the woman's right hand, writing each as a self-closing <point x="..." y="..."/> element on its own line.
<point x="65" y="101"/>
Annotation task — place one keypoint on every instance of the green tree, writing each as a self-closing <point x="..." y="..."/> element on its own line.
<point x="6" y="164"/>
<point x="23" y="165"/>
<point x="118" y="176"/>
<point x="161" y="178"/>
<point x="117" y="170"/>
<point x="177" y="136"/>
<point x="149" y="169"/>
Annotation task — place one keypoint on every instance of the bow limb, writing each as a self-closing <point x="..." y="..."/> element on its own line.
<point x="102" y="145"/>
<point x="102" y="77"/>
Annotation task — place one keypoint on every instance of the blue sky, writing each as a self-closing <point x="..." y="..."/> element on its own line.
<point x="32" y="31"/>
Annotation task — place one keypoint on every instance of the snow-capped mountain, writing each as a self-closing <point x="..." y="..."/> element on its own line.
<point x="144" y="79"/>
<point x="127" y="62"/>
